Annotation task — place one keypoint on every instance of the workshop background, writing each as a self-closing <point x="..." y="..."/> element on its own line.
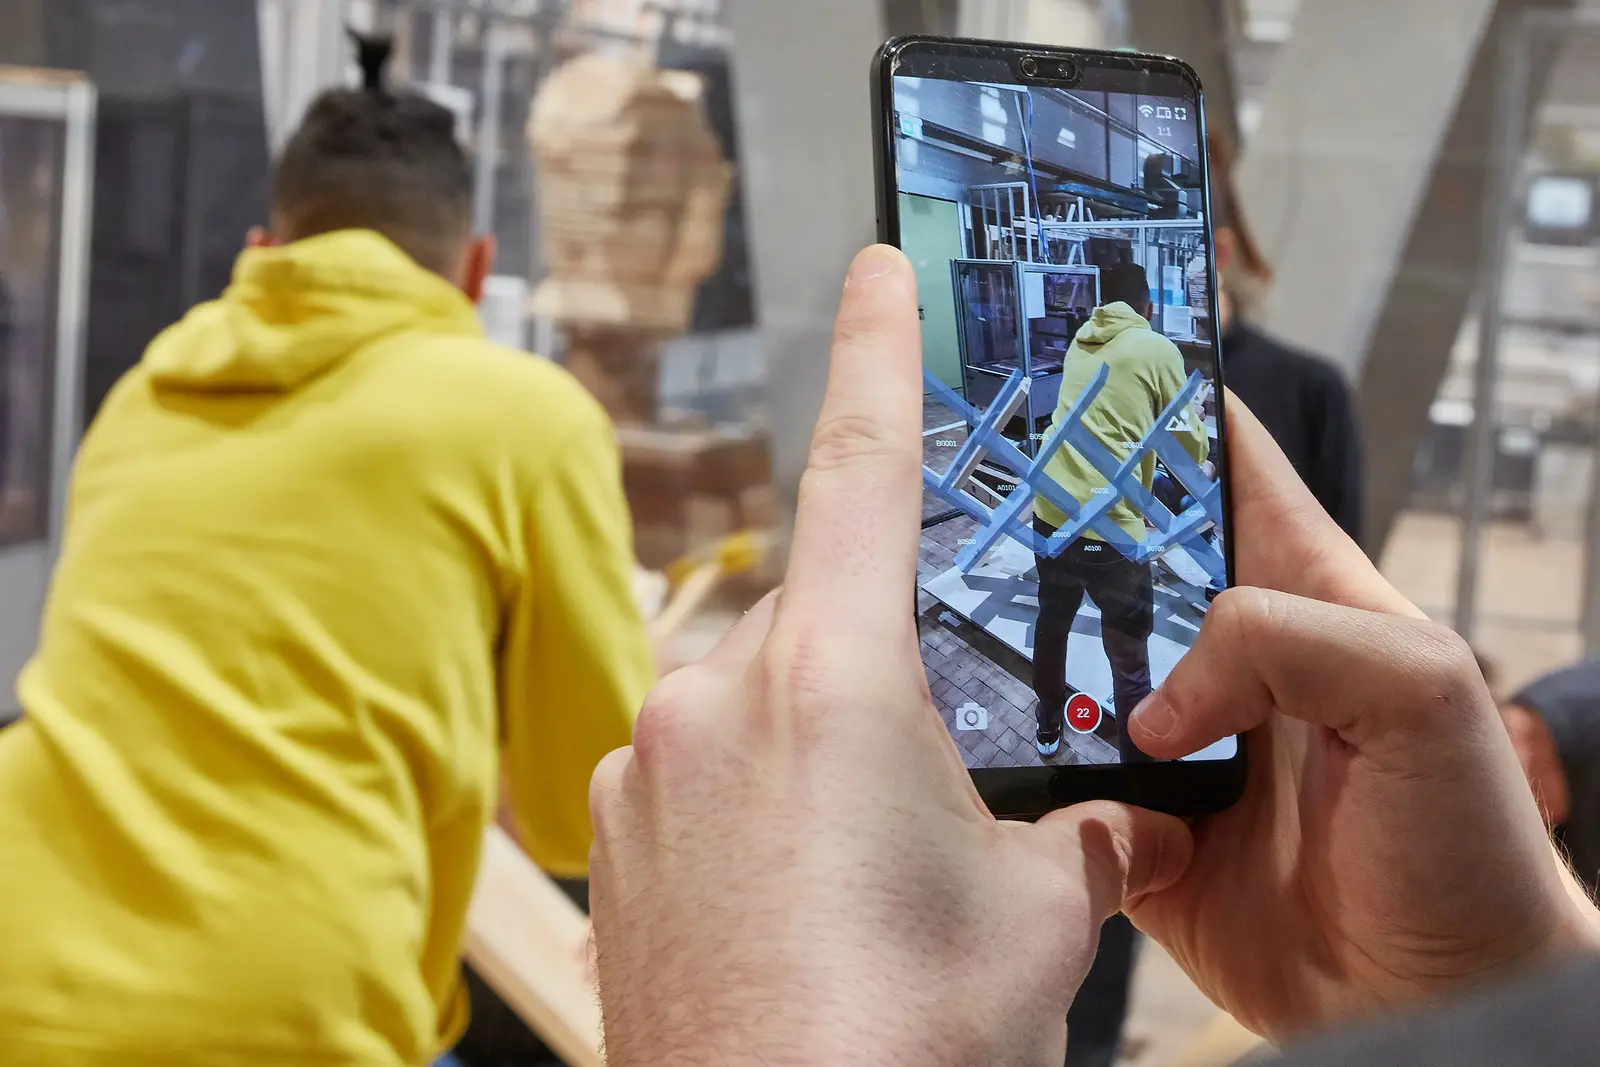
<point x="1431" y="209"/>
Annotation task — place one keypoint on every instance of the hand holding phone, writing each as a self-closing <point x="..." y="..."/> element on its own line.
<point x="1075" y="520"/>
<point x="798" y="777"/>
<point x="1386" y="850"/>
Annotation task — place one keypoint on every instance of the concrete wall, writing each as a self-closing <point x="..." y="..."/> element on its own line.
<point x="1335" y="174"/>
<point x="806" y="124"/>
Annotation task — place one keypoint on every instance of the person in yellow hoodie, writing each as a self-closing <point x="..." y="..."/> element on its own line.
<point x="1146" y="376"/>
<point x="333" y="563"/>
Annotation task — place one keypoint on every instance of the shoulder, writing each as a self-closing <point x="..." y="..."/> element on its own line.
<point x="1249" y="354"/>
<point x="497" y="402"/>
<point x="1146" y="345"/>
<point x="1249" y="343"/>
<point x="500" y="383"/>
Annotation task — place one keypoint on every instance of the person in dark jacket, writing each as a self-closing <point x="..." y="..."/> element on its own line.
<point x="1555" y="726"/>
<point x="1303" y="400"/>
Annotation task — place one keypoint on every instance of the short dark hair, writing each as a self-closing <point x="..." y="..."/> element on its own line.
<point x="1127" y="283"/>
<point x="377" y="160"/>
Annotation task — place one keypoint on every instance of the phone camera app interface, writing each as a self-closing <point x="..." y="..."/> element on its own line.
<point x="1073" y="514"/>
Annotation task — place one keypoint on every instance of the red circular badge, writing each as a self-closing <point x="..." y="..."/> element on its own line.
<point x="1083" y="714"/>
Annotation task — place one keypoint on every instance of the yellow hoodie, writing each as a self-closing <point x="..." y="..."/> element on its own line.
<point x="329" y="553"/>
<point x="1146" y="376"/>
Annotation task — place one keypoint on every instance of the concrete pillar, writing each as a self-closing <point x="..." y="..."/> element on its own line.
<point x="805" y="118"/>
<point x="1440" y="273"/>
<point x="1334" y="175"/>
<point x="1371" y="202"/>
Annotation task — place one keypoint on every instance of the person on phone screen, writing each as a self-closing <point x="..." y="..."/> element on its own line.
<point x="1146" y="376"/>
<point x="334" y="561"/>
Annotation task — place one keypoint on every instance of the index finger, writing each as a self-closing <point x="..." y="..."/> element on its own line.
<point x="854" y="554"/>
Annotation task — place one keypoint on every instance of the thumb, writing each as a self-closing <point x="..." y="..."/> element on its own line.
<point x="1378" y="681"/>
<point x="1122" y="852"/>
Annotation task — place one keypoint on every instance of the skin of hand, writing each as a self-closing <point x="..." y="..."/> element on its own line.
<point x="1387" y="849"/>
<point x="1541" y="762"/>
<point x="791" y="865"/>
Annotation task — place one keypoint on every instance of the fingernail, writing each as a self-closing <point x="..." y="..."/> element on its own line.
<point x="875" y="262"/>
<point x="1155" y="717"/>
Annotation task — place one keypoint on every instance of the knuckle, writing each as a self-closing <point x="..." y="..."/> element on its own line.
<point x="793" y="668"/>
<point x="794" y="673"/>
<point x="1446" y="664"/>
<point x="1241" y="609"/>
<point x="668" y="721"/>
<point x="847" y="440"/>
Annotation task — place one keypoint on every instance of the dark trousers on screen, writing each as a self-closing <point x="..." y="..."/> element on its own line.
<point x="1124" y="592"/>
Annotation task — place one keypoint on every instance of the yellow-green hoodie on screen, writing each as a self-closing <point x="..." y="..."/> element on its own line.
<point x="1146" y="376"/>
<point x="331" y="557"/>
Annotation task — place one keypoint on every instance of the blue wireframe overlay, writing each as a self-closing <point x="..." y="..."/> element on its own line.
<point x="1012" y="517"/>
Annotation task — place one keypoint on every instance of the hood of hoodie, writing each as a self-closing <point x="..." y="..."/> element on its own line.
<point x="1107" y="324"/>
<point x="295" y="311"/>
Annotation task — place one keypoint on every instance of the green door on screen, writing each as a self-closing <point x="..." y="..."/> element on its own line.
<point x="930" y="233"/>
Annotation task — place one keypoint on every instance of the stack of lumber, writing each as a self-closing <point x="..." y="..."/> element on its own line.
<point x="688" y="489"/>
<point x="632" y="193"/>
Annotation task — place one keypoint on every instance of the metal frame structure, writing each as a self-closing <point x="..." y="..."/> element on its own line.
<point x="303" y="51"/>
<point x="1012" y="517"/>
<point x="70" y="99"/>
<point x="1040" y="400"/>
<point x="991" y="222"/>
<point x="1542" y="31"/>
<point x="1140" y="232"/>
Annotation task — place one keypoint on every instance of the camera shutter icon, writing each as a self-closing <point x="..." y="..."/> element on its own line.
<point x="972" y="718"/>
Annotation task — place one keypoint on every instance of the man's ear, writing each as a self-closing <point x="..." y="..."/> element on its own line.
<point x="478" y="266"/>
<point x="260" y="237"/>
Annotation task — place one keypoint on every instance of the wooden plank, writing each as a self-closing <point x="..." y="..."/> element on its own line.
<point x="527" y="940"/>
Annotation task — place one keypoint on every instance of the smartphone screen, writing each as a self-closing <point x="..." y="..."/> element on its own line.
<point x="1055" y="208"/>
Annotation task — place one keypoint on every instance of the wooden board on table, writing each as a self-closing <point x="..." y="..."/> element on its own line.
<point x="525" y="938"/>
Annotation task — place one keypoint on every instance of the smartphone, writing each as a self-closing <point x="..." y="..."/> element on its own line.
<point x="1075" y="530"/>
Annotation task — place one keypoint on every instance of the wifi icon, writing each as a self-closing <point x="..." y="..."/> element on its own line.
<point x="1147" y="111"/>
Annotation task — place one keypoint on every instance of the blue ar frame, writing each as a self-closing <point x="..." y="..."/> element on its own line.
<point x="1012" y="517"/>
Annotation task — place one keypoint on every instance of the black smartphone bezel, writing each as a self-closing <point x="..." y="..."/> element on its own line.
<point x="1195" y="788"/>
